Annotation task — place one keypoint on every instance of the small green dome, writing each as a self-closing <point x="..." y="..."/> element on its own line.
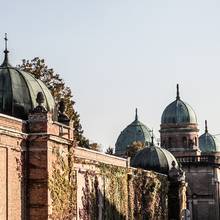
<point x="135" y="132"/>
<point x="154" y="158"/>
<point x="18" y="91"/>
<point x="178" y="112"/>
<point x="208" y="142"/>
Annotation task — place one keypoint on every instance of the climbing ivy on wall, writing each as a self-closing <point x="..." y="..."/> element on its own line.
<point x="115" y="191"/>
<point x="108" y="192"/>
<point x="125" y="193"/>
<point x="148" y="193"/>
<point x="90" y="199"/>
<point x="62" y="186"/>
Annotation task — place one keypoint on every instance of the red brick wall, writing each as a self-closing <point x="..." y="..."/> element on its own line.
<point x="12" y="141"/>
<point x="24" y="183"/>
<point x="44" y="137"/>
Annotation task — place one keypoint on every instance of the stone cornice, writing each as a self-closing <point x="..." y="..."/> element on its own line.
<point x="12" y="118"/>
<point x="12" y="132"/>
<point x="177" y="130"/>
<point x="52" y="137"/>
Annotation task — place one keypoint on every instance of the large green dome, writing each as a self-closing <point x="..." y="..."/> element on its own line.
<point x="154" y="158"/>
<point x="18" y="91"/>
<point x="135" y="132"/>
<point x="178" y="112"/>
<point x="208" y="142"/>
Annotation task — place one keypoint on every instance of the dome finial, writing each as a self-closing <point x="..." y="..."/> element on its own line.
<point x="177" y="92"/>
<point x="152" y="137"/>
<point x="206" y="127"/>
<point x="5" y="62"/>
<point x="136" y="114"/>
<point x="6" y="43"/>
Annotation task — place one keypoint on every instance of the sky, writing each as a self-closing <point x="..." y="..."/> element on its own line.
<point x="117" y="55"/>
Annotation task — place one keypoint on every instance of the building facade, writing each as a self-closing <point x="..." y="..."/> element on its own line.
<point x="45" y="175"/>
<point x="199" y="157"/>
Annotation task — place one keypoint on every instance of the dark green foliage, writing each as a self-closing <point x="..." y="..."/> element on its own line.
<point x="109" y="150"/>
<point x="59" y="90"/>
<point x="134" y="148"/>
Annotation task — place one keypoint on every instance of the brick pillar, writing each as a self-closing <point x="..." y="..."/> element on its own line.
<point x="44" y="138"/>
<point x="37" y="162"/>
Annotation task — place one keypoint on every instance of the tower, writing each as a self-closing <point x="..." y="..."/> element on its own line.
<point x="179" y="128"/>
<point x="199" y="158"/>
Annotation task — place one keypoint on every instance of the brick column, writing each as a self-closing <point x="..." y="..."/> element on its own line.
<point x="37" y="162"/>
<point x="45" y="136"/>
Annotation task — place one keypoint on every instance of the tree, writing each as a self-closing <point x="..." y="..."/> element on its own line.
<point x="109" y="150"/>
<point x="95" y="146"/>
<point x="59" y="90"/>
<point x="134" y="148"/>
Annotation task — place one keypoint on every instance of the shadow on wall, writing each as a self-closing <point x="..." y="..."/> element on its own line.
<point x="95" y="205"/>
<point x="92" y="210"/>
<point x="116" y="200"/>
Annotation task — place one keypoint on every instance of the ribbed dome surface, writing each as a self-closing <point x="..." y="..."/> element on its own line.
<point x="18" y="91"/>
<point x="154" y="158"/>
<point x="178" y="112"/>
<point x="208" y="142"/>
<point x="134" y="132"/>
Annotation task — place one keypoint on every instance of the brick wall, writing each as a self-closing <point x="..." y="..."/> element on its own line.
<point x="26" y="164"/>
<point x="45" y="136"/>
<point x="12" y="144"/>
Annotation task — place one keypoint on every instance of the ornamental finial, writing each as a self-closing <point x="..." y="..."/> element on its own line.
<point x="5" y="62"/>
<point x="62" y="117"/>
<point x="6" y="43"/>
<point x="177" y="92"/>
<point x="173" y="164"/>
<point x="152" y="137"/>
<point x="136" y="114"/>
<point x="206" y="127"/>
<point x="40" y="98"/>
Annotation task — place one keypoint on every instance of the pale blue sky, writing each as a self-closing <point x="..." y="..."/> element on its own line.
<point x="120" y="54"/>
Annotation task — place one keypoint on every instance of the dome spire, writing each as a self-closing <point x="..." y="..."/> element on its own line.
<point x="177" y="92"/>
<point x="6" y="43"/>
<point x="206" y="127"/>
<point x="5" y="62"/>
<point x="136" y="114"/>
<point x="152" y="137"/>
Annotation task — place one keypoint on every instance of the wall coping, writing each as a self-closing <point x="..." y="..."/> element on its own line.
<point x="62" y="125"/>
<point x="101" y="153"/>
<point x="13" y="118"/>
<point x="125" y="162"/>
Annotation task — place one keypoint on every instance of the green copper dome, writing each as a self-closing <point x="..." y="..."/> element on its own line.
<point x="18" y="91"/>
<point x="178" y="112"/>
<point x="208" y="142"/>
<point x="154" y="158"/>
<point x="135" y="132"/>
